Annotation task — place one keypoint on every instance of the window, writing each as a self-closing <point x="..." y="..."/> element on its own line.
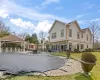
<point x="87" y="37"/>
<point x="87" y="46"/>
<point x="70" y="32"/>
<point x="53" y="35"/>
<point x="82" y="46"/>
<point x="78" y="46"/>
<point x="62" y="32"/>
<point x="78" y="36"/>
<point x="81" y="35"/>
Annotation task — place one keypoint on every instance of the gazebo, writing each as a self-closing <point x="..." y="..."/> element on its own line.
<point x="12" y="43"/>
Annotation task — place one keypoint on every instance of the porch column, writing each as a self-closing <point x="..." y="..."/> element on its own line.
<point x="67" y="45"/>
<point x="59" y="47"/>
<point x="6" y="49"/>
<point x="15" y="49"/>
<point x="11" y="49"/>
<point x="23" y="46"/>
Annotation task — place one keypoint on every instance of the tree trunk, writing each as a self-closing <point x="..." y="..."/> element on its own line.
<point x="93" y="42"/>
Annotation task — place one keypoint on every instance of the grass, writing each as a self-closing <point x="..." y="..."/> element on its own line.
<point x="67" y="77"/>
<point x="95" y="73"/>
<point x="73" y="55"/>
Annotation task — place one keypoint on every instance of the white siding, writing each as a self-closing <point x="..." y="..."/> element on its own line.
<point x="74" y="32"/>
<point x="89" y="43"/>
<point x="57" y="28"/>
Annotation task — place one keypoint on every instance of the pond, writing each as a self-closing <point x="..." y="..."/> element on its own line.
<point x="15" y="63"/>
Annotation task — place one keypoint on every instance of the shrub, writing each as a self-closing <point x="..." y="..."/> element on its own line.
<point x="89" y="50"/>
<point x="68" y="54"/>
<point x="88" y="57"/>
<point x="76" y="50"/>
<point x="88" y="60"/>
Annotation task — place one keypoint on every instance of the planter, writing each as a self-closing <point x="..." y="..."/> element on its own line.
<point x="87" y="67"/>
<point x="68" y="54"/>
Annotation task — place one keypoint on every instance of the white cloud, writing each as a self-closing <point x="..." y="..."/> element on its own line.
<point x="37" y="28"/>
<point x="43" y="26"/>
<point x="17" y="10"/>
<point x="50" y="1"/>
<point x="23" y="24"/>
<point x="79" y="16"/>
<point x="96" y="20"/>
<point x="3" y="14"/>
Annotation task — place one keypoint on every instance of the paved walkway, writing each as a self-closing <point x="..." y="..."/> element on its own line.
<point x="71" y="66"/>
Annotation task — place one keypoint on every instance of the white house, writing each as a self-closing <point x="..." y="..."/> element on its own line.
<point x="62" y="35"/>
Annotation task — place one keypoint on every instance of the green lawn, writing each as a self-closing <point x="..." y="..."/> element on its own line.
<point x="95" y="73"/>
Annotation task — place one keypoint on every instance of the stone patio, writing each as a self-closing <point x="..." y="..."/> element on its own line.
<point x="71" y="67"/>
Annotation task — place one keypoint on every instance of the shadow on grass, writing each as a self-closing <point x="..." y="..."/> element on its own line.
<point x="82" y="77"/>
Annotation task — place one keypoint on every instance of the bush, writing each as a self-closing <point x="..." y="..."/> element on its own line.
<point x="76" y="50"/>
<point x="88" y="60"/>
<point x="88" y="57"/>
<point x="89" y="50"/>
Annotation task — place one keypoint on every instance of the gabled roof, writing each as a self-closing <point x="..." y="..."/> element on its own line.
<point x="84" y="30"/>
<point x="54" y="24"/>
<point x="12" y="38"/>
<point x="74" y="22"/>
<point x="70" y="23"/>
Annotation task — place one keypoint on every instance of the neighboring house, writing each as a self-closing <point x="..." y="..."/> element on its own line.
<point x="62" y="35"/>
<point x="31" y="46"/>
<point x="12" y="43"/>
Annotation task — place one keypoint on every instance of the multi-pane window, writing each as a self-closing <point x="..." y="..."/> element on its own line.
<point x="62" y="32"/>
<point x="53" y="35"/>
<point x="70" y="32"/>
<point x="81" y="35"/>
<point x="82" y="46"/>
<point x="87" y="37"/>
<point x="78" y="36"/>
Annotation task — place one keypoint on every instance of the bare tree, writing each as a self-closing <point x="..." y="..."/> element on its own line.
<point x="95" y="29"/>
<point x="41" y="35"/>
<point x="22" y="35"/>
<point x="97" y="44"/>
<point x="4" y="30"/>
<point x="42" y="38"/>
